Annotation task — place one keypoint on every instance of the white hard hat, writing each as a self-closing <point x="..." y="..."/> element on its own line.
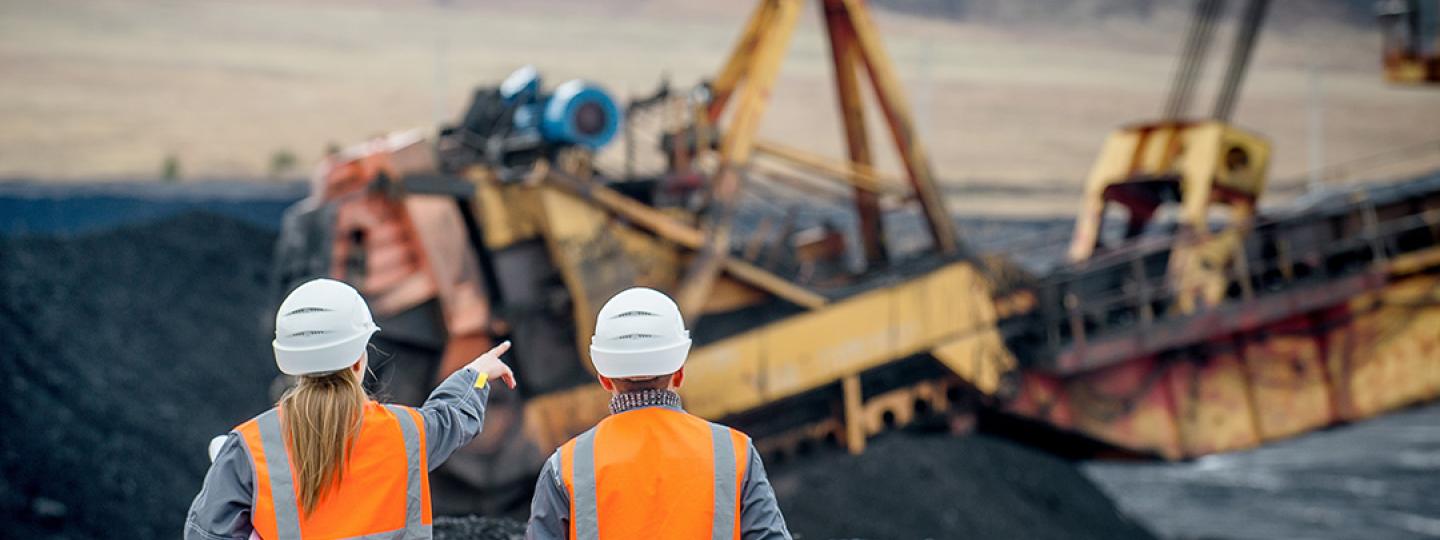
<point x="323" y="326"/>
<point x="639" y="333"/>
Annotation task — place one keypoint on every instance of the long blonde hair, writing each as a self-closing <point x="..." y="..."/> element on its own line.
<point x="321" y="418"/>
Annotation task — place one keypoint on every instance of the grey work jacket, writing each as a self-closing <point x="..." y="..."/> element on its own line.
<point x="760" y="517"/>
<point x="454" y="415"/>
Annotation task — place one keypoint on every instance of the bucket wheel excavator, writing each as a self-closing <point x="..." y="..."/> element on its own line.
<point x="830" y="301"/>
<point x="503" y="226"/>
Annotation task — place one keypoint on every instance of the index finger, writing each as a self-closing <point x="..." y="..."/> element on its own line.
<point x="500" y="349"/>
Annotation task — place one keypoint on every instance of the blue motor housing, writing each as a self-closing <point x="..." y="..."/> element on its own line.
<point x="515" y="124"/>
<point x="580" y="113"/>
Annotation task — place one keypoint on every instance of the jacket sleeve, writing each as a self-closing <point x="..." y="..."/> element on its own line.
<point x="550" y="509"/>
<point x="222" y="509"/>
<point x="454" y="414"/>
<point x="760" y="516"/>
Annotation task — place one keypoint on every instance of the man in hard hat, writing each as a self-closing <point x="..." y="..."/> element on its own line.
<point x="651" y="470"/>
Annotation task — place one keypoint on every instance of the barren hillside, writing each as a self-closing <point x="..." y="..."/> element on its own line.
<point x="105" y="88"/>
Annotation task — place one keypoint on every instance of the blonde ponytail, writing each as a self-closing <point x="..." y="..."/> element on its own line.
<point x="321" y="418"/>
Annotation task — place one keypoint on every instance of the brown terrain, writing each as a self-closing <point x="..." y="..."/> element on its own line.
<point x="1018" y="97"/>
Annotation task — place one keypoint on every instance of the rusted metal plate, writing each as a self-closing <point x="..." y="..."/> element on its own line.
<point x="1389" y="355"/>
<point x="1128" y="405"/>
<point x="1213" y="405"/>
<point x="1249" y="383"/>
<point x="1287" y="379"/>
<point x="1042" y="396"/>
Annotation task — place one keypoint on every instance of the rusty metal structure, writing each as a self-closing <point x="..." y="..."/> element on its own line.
<point x="1411" y="30"/>
<point x="1195" y="324"/>
<point x="1226" y="328"/>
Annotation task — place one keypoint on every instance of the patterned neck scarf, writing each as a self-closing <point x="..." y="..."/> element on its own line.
<point x="644" y="398"/>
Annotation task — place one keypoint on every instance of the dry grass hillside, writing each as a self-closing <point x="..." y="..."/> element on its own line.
<point x="108" y="88"/>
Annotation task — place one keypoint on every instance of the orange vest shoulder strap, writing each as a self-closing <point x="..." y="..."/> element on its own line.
<point x="275" y="513"/>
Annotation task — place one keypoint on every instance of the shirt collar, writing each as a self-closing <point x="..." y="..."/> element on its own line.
<point x="629" y="401"/>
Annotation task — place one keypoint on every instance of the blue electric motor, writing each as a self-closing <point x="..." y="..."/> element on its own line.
<point x="576" y="113"/>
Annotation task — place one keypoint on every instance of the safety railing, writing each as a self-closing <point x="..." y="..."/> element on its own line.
<point x="1134" y="290"/>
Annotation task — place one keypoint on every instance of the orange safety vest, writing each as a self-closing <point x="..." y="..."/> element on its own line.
<point x="384" y="490"/>
<point x="655" y="473"/>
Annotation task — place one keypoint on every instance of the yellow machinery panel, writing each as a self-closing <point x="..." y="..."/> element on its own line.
<point x="725" y="376"/>
<point x="807" y="351"/>
<point x="1207" y="162"/>
<point x="1413" y="71"/>
<point x="506" y="211"/>
<point x="1386" y="357"/>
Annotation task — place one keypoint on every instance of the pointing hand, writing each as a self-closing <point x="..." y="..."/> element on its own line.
<point x="490" y="366"/>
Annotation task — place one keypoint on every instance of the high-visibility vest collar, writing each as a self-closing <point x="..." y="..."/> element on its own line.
<point x="655" y="473"/>
<point x="383" y="492"/>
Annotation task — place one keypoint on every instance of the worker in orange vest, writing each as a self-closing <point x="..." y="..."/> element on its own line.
<point x="651" y="470"/>
<point x="328" y="461"/>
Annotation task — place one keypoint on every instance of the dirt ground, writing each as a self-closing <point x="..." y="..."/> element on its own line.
<point x="101" y="88"/>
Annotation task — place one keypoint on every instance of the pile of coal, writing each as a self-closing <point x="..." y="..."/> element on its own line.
<point x="909" y="485"/>
<point x="121" y="354"/>
<point x="478" y="528"/>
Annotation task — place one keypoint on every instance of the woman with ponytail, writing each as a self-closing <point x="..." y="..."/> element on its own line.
<point x="328" y="461"/>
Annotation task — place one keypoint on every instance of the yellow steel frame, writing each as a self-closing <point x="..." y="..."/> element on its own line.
<point x="836" y="340"/>
<point x="819" y="348"/>
<point x="1193" y="151"/>
<point x="747" y="79"/>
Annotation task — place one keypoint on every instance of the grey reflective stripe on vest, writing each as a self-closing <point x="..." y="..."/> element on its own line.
<point x="587" y="526"/>
<point x="413" y="497"/>
<point x="724" y="482"/>
<point x="587" y="522"/>
<point x="282" y="484"/>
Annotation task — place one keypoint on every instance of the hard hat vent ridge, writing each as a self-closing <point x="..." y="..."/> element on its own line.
<point x="635" y="313"/>
<point x="304" y="310"/>
<point x="305" y="333"/>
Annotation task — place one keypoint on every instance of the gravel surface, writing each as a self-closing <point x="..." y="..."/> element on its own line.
<point x="478" y="528"/>
<point x="1376" y="479"/>
<point x="121" y="354"/>
<point x="909" y="485"/>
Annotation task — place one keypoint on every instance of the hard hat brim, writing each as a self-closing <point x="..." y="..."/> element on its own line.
<point x="322" y="359"/>
<point x="646" y="363"/>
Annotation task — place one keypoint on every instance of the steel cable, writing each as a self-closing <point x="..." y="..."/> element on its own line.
<point x="1192" y="57"/>
<point x="1240" y="54"/>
